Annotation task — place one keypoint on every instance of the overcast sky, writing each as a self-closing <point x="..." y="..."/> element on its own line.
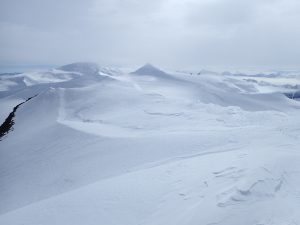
<point x="170" y="33"/>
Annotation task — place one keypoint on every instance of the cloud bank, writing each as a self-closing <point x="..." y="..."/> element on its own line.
<point x="172" y="33"/>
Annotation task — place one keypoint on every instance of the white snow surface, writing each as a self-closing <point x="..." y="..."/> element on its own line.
<point x="98" y="146"/>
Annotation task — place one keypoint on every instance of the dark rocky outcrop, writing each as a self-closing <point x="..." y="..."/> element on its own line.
<point x="7" y="125"/>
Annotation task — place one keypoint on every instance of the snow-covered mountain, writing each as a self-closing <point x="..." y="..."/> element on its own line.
<point x="81" y="67"/>
<point x="94" y="145"/>
<point x="149" y="69"/>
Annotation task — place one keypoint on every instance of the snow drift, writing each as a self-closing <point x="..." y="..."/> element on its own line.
<point x="98" y="146"/>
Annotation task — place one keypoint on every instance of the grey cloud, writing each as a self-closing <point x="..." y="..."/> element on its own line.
<point x="173" y="33"/>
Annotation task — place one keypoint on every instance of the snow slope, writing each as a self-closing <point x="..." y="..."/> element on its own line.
<point x="105" y="147"/>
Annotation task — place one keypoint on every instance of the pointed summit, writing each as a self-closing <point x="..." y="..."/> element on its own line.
<point x="149" y="69"/>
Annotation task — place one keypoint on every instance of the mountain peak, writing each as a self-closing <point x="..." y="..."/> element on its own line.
<point x="149" y="69"/>
<point x="149" y="65"/>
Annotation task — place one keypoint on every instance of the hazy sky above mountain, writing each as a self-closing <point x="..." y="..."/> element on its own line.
<point x="171" y="33"/>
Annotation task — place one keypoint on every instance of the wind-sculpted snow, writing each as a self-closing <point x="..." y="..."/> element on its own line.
<point x="105" y="147"/>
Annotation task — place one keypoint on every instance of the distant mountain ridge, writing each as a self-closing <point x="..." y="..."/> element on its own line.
<point x="81" y="67"/>
<point x="89" y="68"/>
